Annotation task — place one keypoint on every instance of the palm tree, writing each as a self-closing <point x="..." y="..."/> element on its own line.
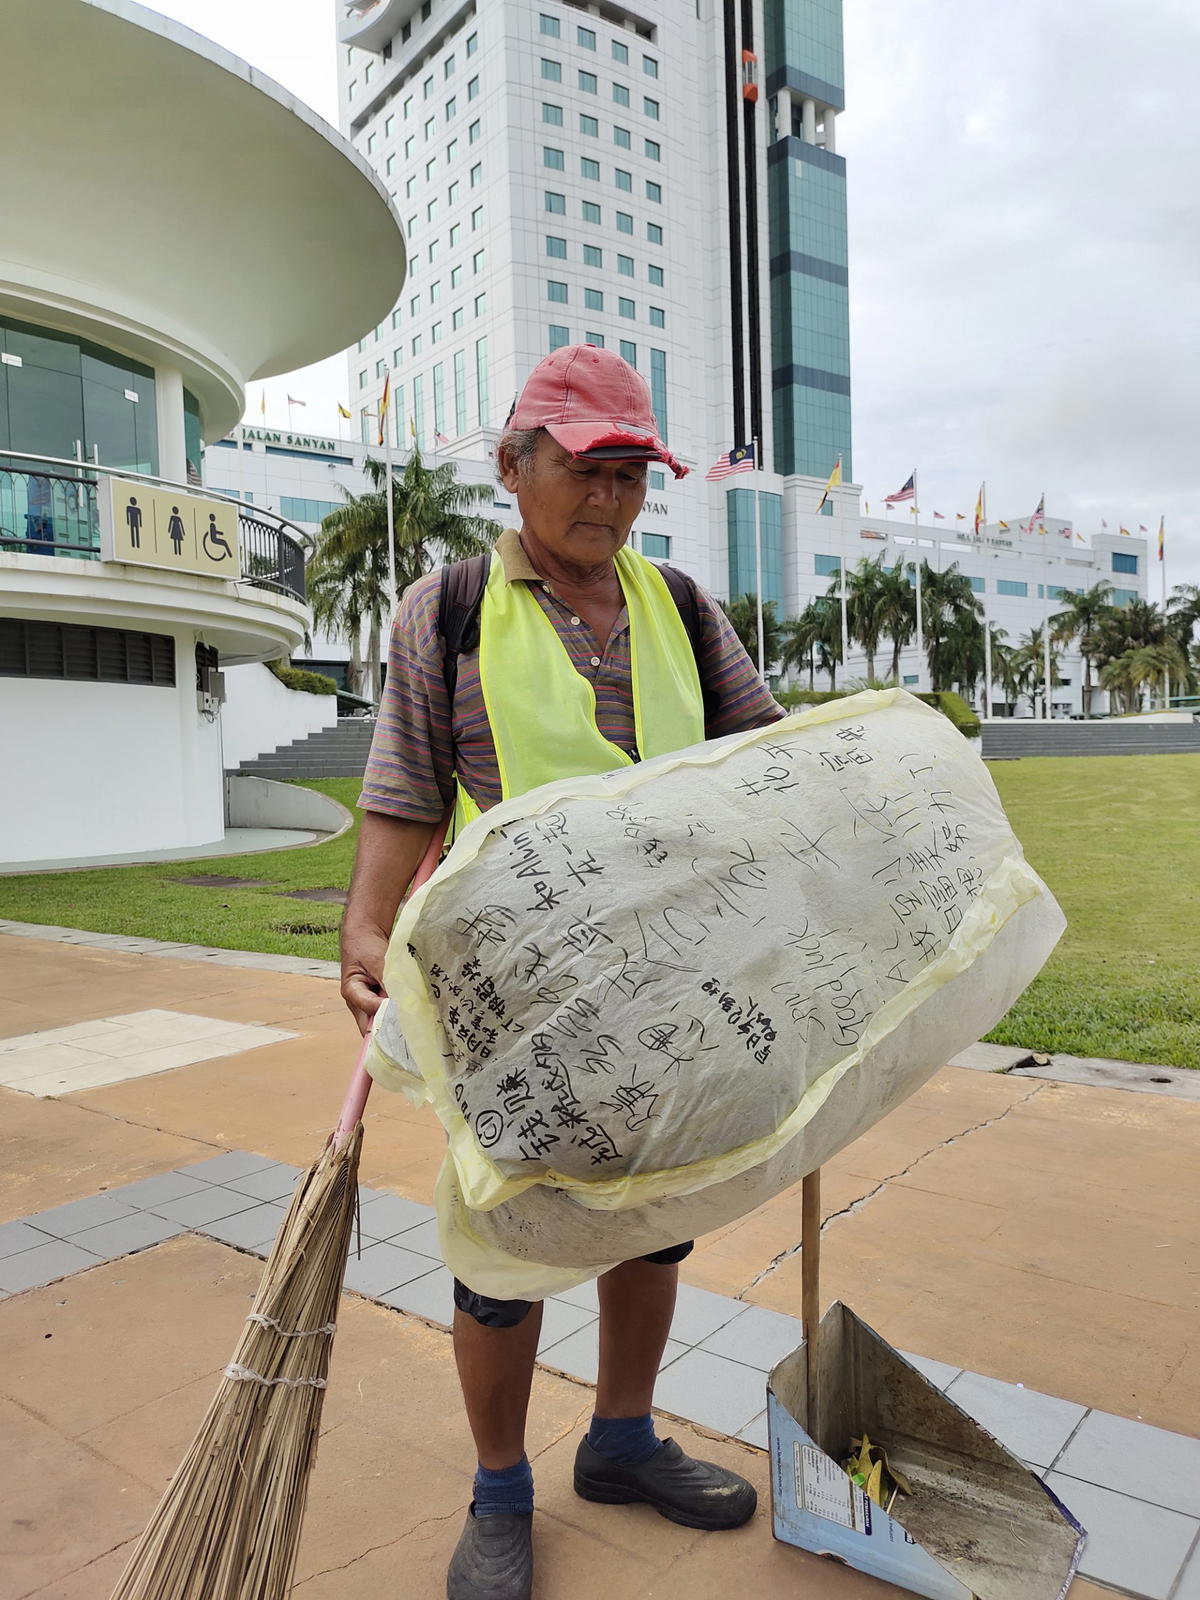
<point x="1149" y="666"/>
<point x="1009" y="669"/>
<point x="864" y="588"/>
<point x="947" y="603"/>
<point x="896" y="611"/>
<point x="1030" y="665"/>
<point x="435" y="522"/>
<point x="742" y="612"/>
<point x="1084" y="612"/>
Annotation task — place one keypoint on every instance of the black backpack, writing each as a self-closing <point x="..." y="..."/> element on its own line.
<point x="461" y="597"/>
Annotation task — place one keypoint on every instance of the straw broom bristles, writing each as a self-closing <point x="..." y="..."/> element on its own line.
<point x="228" y="1526"/>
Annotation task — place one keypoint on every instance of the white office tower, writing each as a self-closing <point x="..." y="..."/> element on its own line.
<point x="659" y="178"/>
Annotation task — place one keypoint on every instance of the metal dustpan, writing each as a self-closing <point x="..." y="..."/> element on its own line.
<point x="977" y="1525"/>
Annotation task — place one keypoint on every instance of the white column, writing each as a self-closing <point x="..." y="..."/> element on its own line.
<point x="783" y="114"/>
<point x="168" y="408"/>
<point x="809" y="110"/>
<point x="830" y="134"/>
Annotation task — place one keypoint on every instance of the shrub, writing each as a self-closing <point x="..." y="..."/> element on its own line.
<point x="951" y="705"/>
<point x="792" y="698"/>
<point x="298" y="678"/>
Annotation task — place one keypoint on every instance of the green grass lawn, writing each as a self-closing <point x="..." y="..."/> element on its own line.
<point x="1116" y="837"/>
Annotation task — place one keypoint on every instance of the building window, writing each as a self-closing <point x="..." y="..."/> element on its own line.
<point x="396" y="317"/>
<point x="414" y="305"/>
<point x="629" y="352"/>
<point x="588" y="82"/>
<point x="416" y="344"/>
<point x="625" y="266"/>
<point x="32" y="649"/>
<point x="451" y="108"/>
<point x="431" y="210"/>
<point x="827" y="566"/>
<point x="552" y="114"/>
<point x="435" y="333"/>
<point x="363" y="379"/>
<point x="658" y="388"/>
<point x="622" y="138"/>
<point x="439" y="399"/>
<point x="1052" y="591"/>
<point x="620" y="52"/>
<point x="556" y="246"/>
<point x="430" y="127"/>
<point x="472" y="88"/>
<point x="589" y="168"/>
<point x="559" y="336"/>
<point x="655" y="275"/>
<point x="653" y="150"/>
<point x="594" y="338"/>
<point x="430" y="169"/>
<point x="473" y="132"/>
<point x="593" y="299"/>
<point x="593" y="256"/>
<point x="452" y="193"/>
<point x="455" y="234"/>
<point x="351" y="89"/>
<point x="480" y="304"/>
<point x="410" y="144"/>
<point x="650" y="107"/>
<point x="435" y="246"/>
<point x="1124" y="597"/>
<point x="909" y="679"/>
<point x="407" y="108"/>
<point x="626" y="308"/>
<point x="380" y="368"/>
<point x="448" y="67"/>
<point x="591" y="211"/>
<point x="460" y="392"/>
<point x="556" y="291"/>
<point x="553" y="158"/>
<point x="658" y="480"/>
<point x="456" y="319"/>
<point x="388" y="124"/>
<point x="549" y="26"/>
<point x="658" y="317"/>
<point x="410" y="188"/>
<point x="477" y="261"/>
<point x="620" y="94"/>
<point x="654" y="192"/>
<point x="654" y="233"/>
<point x="389" y="166"/>
<point x="555" y="202"/>
<point x="1011" y="586"/>
<point x="551" y="70"/>
<point x="481" y="382"/>
<point x="624" y="180"/>
<point x="477" y="176"/>
<point x="657" y="546"/>
<point x="650" y="66"/>
<point x="586" y="38"/>
<point x="477" y="218"/>
<point x="978" y="586"/>
<point x="589" y="125"/>
<point x="472" y="44"/>
<point x="370" y="144"/>
<point x="1121" y="562"/>
<point x="624" y="222"/>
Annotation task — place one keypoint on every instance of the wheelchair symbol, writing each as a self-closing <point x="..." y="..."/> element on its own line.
<point x="216" y="546"/>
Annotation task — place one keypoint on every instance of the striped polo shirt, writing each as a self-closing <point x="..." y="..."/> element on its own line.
<point x="421" y="741"/>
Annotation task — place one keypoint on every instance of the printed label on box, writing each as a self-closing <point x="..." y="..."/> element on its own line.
<point x="825" y="1490"/>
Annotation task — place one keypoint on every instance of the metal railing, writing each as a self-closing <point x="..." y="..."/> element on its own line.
<point x="49" y="507"/>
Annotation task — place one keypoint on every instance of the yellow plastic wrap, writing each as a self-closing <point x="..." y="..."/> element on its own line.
<point x="642" y="1003"/>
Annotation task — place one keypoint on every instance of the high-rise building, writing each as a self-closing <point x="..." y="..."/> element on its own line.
<point x="658" y="178"/>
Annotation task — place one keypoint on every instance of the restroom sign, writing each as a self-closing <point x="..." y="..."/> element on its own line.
<point x="147" y="526"/>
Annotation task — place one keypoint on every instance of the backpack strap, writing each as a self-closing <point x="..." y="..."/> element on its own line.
<point x="459" y="600"/>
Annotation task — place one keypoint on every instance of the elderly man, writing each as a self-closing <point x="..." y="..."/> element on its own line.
<point x="586" y="659"/>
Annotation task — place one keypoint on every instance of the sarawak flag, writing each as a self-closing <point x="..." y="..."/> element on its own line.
<point x="1162" y="542"/>
<point x="384" y="399"/>
<point x="342" y="412"/>
<point x="979" y="511"/>
<point x="835" y="477"/>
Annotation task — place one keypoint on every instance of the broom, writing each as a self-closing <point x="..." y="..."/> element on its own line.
<point x="228" y="1526"/>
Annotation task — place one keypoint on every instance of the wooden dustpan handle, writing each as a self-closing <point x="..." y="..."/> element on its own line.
<point x="810" y="1287"/>
<point x="359" y="1088"/>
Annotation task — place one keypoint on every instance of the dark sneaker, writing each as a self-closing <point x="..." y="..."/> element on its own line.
<point x="493" y="1560"/>
<point x="698" y="1494"/>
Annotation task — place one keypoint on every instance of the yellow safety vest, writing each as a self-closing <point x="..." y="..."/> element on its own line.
<point x="542" y="712"/>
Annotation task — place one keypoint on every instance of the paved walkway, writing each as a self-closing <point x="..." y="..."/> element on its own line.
<point x="1013" y="1233"/>
<point x="236" y="842"/>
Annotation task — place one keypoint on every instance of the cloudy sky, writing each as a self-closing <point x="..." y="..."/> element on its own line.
<point x="1024" y="189"/>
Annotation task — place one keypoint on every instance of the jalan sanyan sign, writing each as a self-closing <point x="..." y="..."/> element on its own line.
<point x="296" y="441"/>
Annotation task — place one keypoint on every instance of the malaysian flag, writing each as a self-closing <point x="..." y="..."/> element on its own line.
<point x="909" y="492"/>
<point x="739" y="460"/>
<point x="1037" y="517"/>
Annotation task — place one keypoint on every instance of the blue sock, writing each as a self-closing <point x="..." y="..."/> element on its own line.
<point x="626" y="1440"/>
<point x="508" y="1492"/>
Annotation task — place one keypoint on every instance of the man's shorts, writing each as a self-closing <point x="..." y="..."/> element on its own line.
<point x="508" y="1313"/>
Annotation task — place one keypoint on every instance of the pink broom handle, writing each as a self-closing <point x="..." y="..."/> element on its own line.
<point x="360" y="1083"/>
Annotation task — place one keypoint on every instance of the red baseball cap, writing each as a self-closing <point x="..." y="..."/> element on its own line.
<point x="592" y="402"/>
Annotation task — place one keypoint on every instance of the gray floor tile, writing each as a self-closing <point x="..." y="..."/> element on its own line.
<point x="430" y="1296"/>
<point x="386" y="1215"/>
<point x="383" y="1267"/>
<point x="131" y="1233"/>
<point x="1032" y="1425"/>
<point x="70" y="1219"/>
<point x="755" y="1432"/>
<point x="149" y="1192"/>
<point x="248" y="1229"/>
<point x="1134" y="1458"/>
<point x="711" y="1390"/>
<point x="1130" y="1544"/>
<point x="206" y="1205"/>
<point x="756" y="1337"/>
<point x="43" y="1264"/>
<point x="940" y="1373"/>
<point x="18" y="1236"/>
<point x="674" y="1349"/>
<point x="233" y="1164"/>
<point x="584" y="1294"/>
<point x="699" y="1312"/>
<point x="1189" y="1582"/>
<point x="559" y="1320"/>
<point x="577" y="1354"/>
<point x="272" y="1183"/>
<point x="423" y="1239"/>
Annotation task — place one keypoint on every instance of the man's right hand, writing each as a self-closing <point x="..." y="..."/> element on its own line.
<point x="363" y="953"/>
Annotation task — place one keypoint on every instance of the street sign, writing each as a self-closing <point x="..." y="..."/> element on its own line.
<point x="151" y="527"/>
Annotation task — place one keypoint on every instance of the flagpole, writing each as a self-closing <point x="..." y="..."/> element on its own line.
<point x="758" y="599"/>
<point x="1046" y="630"/>
<point x="842" y="587"/>
<point x="391" y="515"/>
<point x="987" y="664"/>
<point x="1162" y="562"/>
<point x="917" y="566"/>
